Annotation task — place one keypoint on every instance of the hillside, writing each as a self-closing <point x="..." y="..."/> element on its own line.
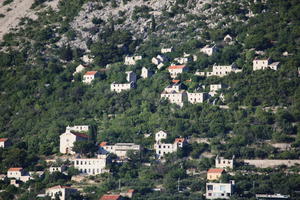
<point x="250" y="117"/>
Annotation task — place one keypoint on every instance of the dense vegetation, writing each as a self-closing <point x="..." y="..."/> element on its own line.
<point x="38" y="99"/>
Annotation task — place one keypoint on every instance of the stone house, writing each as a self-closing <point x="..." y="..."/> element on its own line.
<point x="4" y="142"/>
<point x="131" y="60"/>
<point x="223" y="163"/>
<point x="120" y="149"/>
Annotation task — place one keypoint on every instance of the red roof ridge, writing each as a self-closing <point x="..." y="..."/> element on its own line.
<point x="3" y="139"/>
<point x="80" y="135"/>
<point x="110" y="197"/>
<point x="15" y="169"/>
<point x="176" y="67"/>
<point x="91" y="72"/>
<point x="215" y="170"/>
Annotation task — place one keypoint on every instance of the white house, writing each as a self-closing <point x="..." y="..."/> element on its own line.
<point x="119" y="87"/>
<point x="174" y="94"/>
<point x="223" y="163"/>
<point x="131" y="76"/>
<point x="80" y="68"/>
<point x="131" y="60"/>
<point x="209" y="50"/>
<point x="214" y="88"/>
<point x="223" y="70"/>
<point x="174" y="70"/>
<point x="18" y="173"/>
<point x="219" y="190"/>
<point x="166" y="50"/>
<point x="4" y="142"/>
<point x="175" y="97"/>
<point x="63" y="192"/>
<point x="159" y="59"/>
<point x="120" y="149"/>
<point x="196" y="97"/>
<point x="228" y="39"/>
<point x="160" y="135"/>
<point x="262" y="64"/>
<point x="87" y="59"/>
<point x="162" y="149"/>
<point x="67" y="140"/>
<point x="146" y="73"/>
<point x="183" y="60"/>
<point x="79" y="128"/>
<point x="89" y="76"/>
<point x="91" y="166"/>
<point x="60" y="169"/>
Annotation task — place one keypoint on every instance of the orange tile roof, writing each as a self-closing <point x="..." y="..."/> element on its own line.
<point x="3" y="139"/>
<point x="175" y="81"/>
<point x="91" y="73"/>
<point x="179" y="140"/>
<point x="102" y="144"/>
<point x="176" y="67"/>
<point x="110" y="197"/>
<point x="15" y="169"/>
<point x="215" y="171"/>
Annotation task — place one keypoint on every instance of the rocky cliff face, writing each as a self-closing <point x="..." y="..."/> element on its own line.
<point x="136" y="16"/>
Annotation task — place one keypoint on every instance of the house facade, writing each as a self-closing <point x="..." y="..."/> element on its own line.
<point x="89" y="76"/>
<point x="120" y="149"/>
<point x="18" y="173"/>
<point x="223" y="163"/>
<point x="80" y="68"/>
<point x="174" y="70"/>
<point x="67" y="140"/>
<point x="79" y="128"/>
<point x="91" y="166"/>
<point x="166" y="50"/>
<point x="262" y="64"/>
<point x="146" y="73"/>
<point x="161" y="149"/>
<point x="63" y="192"/>
<point x="196" y="97"/>
<point x="4" y="142"/>
<point x="219" y="190"/>
<point x="214" y="174"/>
<point x="131" y="60"/>
<point x="223" y="70"/>
<point x="209" y="50"/>
<point x="119" y="87"/>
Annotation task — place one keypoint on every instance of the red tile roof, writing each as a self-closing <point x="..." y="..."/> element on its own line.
<point x="3" y="139"/>
<point x="91" y="73"/>
<point x="102" y="144"/>
<point x="131" y="191"/>
<point x="175" y="81"/>
<point x="215" y="171"/>
<point x="110" y="197"/>
<point x="15" y="169"/>
<point x="179" y="140"/>
<point x="80" y="135"/>
<point x="176" y="67"/>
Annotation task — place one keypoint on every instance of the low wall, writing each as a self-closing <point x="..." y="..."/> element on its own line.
<point x="271" y="163"/>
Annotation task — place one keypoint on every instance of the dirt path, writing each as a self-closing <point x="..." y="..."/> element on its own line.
<point x="13" y="13"/>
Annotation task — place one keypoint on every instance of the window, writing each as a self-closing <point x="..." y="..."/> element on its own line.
<point x="209" y="187"/>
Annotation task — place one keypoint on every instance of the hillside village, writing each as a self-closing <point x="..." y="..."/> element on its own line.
<point x="136" y="99"/>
